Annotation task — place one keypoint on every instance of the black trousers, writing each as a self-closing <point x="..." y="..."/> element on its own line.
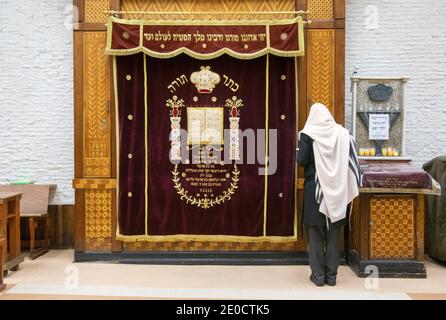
<point x="324" y="251"/>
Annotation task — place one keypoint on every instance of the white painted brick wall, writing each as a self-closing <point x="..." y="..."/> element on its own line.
<point x="36" y="81"/>
<point x="410" y="41"/>
<point x="36" y="94"/>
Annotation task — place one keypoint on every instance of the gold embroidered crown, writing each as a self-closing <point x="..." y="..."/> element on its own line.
<point x="205" y="80"/>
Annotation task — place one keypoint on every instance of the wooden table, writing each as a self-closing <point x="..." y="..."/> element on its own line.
<point x="34" y="212"/>
<point x="2" y="246"/>
<point x="10" y="220"/>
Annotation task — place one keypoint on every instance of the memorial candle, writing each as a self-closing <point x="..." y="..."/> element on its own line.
<point x="390" y="152"/>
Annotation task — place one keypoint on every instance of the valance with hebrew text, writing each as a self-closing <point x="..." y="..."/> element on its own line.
<point x="206" y="39"/>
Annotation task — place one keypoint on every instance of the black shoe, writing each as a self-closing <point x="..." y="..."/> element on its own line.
<point x="331" y="282"/>
<point x="317" y="283"/>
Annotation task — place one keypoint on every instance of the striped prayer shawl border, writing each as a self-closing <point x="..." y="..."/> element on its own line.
<point x="353" y="164"/>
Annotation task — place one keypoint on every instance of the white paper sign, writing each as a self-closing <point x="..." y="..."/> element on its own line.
<point x="379" y="127"/>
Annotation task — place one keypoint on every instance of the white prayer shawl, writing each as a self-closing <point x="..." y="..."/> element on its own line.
<point x="337" y="171"/>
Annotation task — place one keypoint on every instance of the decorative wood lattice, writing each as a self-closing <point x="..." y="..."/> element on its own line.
<point x="98" y="244"/>
<point x="206" y="5"/>
<point x="392" y="228"/>
<point x="321" y="9"/>
<point x="98" y="210"/>
<point x="94" y="183"/>
<point x="320" y="68"/>
<point x="210" y="246"/>
<point x="96" y="106"/>
<point x="94" y="10"/>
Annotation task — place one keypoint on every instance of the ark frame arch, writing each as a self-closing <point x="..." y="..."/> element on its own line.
<point x="321" y="79"/>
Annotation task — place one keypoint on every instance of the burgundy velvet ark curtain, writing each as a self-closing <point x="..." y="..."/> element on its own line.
<point x="159" y="200"/>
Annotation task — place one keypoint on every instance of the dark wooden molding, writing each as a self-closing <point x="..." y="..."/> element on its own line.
<point x="339" y="9"/>
<point x="365" y="226"/>
<point x="79" y="218"/>
<point x="420" y="226"/>
<point x="115" y="5"/>
<point x="80" y="5"/>
<point x="339" y="84"/>
<point x="301" y="5"/>
<point x="326" y="24"/>
<point x="90" y="26"/>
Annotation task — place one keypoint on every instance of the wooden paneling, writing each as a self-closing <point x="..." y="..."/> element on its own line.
<point x="420" y="226"/>
<point x="96" y="94"/>
<point x="392" y="227"/>
<point x="209" y="246"/>
<point x="355" y="225"/>
<point x="98" y="220"/>
<point x="78" y="104"/>
<point x="79" y="216"/>
<point x="321" y="68"/>
<point x="96" y="207"/>
<point x="206" y="6"/>
<point x="364" y="225"/>
<point x="339" y="9"/>
<point x="339" y="77"/>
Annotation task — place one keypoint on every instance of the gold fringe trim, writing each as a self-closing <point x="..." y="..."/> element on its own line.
<point x="117" y="128"/>
<point x="434" y="192"/>
<point x="189" y="22"/>
<point x="146" y="150"/>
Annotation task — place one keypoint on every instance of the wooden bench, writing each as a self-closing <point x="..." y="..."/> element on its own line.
<point x="34" y="212"/>
<point x="10" y="230"/>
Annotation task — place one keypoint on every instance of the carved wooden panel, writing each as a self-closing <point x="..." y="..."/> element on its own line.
<point x="321" y="68"/>
<point x="94" y="10"/>
<point x="206" y="5"/>
<point x="392" y="227"/>
<point x="96" y="106"/>
<point x="320" y="9"/>
<point x="210" y="246"/>
<point x="98" y="220"/>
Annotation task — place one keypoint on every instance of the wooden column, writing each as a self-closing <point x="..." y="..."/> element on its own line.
<point x="94" y="130"/>
<point x="420" y="226"/>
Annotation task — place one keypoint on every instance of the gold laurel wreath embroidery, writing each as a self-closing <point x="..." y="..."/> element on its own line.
<point x="205" y="203"/>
